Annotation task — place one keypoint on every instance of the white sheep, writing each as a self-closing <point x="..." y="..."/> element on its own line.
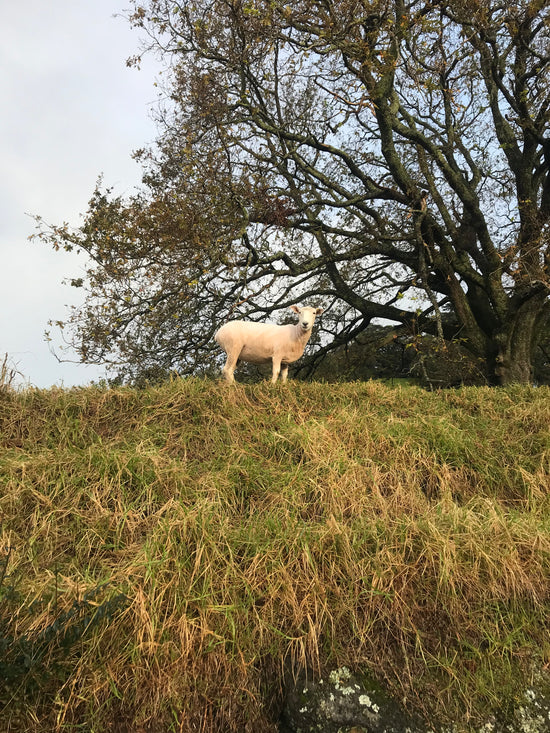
<point x="259" y="343"/>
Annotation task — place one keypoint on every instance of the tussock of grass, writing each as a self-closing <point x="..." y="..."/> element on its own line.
<point x="402" y="532"/>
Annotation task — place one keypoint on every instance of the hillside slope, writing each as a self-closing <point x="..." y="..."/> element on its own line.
<point x="166" y="553"/>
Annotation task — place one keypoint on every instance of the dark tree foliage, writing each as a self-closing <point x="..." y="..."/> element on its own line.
<point x="387" y="159"/>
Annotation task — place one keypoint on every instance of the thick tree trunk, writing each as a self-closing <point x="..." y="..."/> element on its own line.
<point x="514" y="344"/>
<point x="513" y="366"/>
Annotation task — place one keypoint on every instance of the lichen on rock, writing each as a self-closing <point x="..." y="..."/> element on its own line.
<point x="345" y="702"/>
<point x="342" y="702"/>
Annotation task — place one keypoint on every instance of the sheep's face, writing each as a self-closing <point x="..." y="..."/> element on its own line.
<point x="306" y="316"/>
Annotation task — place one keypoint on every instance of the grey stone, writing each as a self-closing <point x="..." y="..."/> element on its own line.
<point x="344" y="702"/>
<point x="532" y="715"/>
<point x="341" y="702"/>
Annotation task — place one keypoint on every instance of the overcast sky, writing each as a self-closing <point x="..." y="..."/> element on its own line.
<point x="71" y="110"/>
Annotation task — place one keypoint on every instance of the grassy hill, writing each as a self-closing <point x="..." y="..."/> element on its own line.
<point x="166" y="553"/>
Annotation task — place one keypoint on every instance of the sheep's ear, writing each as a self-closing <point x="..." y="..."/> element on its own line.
<point x="319" y="311"/>
<point x="295" y="309"/>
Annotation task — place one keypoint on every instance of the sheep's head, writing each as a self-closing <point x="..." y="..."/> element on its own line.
<point x="306" y="316"/>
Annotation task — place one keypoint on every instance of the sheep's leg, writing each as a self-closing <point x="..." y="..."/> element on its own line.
<point x="276" y="370"/>
<point x="284" y="372"/>
<point x="229" y="368"/>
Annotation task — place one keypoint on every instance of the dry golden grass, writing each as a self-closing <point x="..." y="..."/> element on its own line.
<point x="238" y="530"/>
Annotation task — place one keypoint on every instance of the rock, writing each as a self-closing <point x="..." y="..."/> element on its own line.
<point x="343" y="702"/>
<point x="532" y="715"/>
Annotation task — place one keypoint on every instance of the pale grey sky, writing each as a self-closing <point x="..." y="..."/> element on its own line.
<point x="71" y="110"/>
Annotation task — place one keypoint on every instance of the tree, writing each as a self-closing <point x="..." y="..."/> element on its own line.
<point x="389" y="159"/>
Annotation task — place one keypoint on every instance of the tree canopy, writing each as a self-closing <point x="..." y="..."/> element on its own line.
<point x="386" y="159"/>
